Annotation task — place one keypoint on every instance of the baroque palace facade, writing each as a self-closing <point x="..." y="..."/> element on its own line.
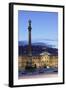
<point x="45" y="59"/>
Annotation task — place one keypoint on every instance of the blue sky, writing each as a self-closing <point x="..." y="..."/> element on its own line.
<point x="44" y="26"/>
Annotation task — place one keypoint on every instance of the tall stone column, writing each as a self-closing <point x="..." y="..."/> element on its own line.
<point x="29" y="38"/>
<point x="29" y="62"/>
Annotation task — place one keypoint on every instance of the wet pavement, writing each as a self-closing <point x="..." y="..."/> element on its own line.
<point x="38" y="72"/>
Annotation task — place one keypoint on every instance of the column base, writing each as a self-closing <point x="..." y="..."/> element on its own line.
<point x="30" y="68"/>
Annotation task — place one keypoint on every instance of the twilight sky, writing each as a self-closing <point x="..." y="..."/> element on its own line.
<point x="44" y="26"/>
